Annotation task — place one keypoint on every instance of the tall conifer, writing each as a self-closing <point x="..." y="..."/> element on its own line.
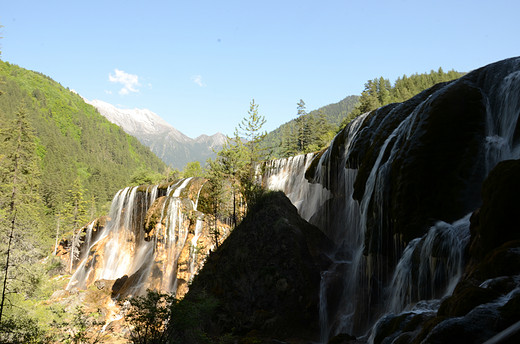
<point x="18" y="193"/>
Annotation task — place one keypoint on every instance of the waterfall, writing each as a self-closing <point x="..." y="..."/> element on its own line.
<point x="430" y="266"/>
<point x="366" y="193"/>
<point x="288" y="175"/>
<point x="194" y="248"/>
<point x="149" y="260"/>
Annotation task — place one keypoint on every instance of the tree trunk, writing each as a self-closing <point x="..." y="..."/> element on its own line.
<point x="57" y="234"/>
<point x="6" y="269"/>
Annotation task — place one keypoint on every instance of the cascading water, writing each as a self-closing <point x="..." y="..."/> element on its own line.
<point x="288" y="175"/>
<point x="390" y="184"/>
<point x="430" y="266"/>
<point x="150" y="260"/>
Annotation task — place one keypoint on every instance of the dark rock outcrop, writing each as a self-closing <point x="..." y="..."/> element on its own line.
<point x="266" y="275"/>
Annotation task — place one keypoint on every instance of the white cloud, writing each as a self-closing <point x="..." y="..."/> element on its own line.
<point x="108" y="92"/>
<point x="198" y="80"/>
<point x="130" y="82"/>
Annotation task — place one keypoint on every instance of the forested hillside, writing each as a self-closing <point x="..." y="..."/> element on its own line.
<point x="314" y="130"/>
<point x="328" y="118"/>
<point x="379" y="91"/>
<point x="61" y="163"/>
<point x="73" y="140"/>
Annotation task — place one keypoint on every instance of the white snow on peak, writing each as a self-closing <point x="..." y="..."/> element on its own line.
<point x="137" y="121"/>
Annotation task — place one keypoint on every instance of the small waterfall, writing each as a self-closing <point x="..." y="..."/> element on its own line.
<point x="288" y="175"/>
<point x="194" y="248"/>
<point x="501" y="141"/>
<point x="430" y="266"/>
<point x="88" y="239"/>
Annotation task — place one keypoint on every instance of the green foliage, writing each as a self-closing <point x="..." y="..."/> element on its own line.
<point x="309" y="133"/>
<point x="189" y="319"/>
<point x="28" y="319"/>
<point x="19" y="203"/>
<point x="72" y="139"/>
<point x="21" y="330"/>
<point x="283" y="141"/>
<point x="157" y="318"/>
<point x="251" y="152"/>
<point x="232" y="174"/>
<point x="250" y="128"/>
<point x="148" y="316"/>
<point x="220" y="191"/>
<point x="303" y="128"/>
<point x="192" y="169"/>
<point x="379" y="92"/>
<point x="79" y="328"/>
<point x="146" y="177"/>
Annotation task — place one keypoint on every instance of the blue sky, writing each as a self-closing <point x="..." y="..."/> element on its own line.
<point x="199" y="63"/>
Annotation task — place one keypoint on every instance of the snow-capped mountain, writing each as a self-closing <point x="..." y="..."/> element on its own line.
<point x="169" y="144"/>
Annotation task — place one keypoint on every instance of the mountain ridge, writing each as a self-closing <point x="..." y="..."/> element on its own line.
<point x="169" y="144"/>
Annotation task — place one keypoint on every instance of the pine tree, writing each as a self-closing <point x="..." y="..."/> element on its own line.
<point x="216" y="187"/>
<point x="289" y="140"/>
<point x="252" y="151"/>
<point x="321" y="131"/>
<point x="233" y="160"/>
<point x="76" y="215"/>
<point x="303" y="129"/>
<point x="383" y="91"/>
<point x="18" y="193"/>
<point x="250" y="128"/>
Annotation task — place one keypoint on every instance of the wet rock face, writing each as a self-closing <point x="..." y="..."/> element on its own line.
<point x="266" y="275"/>
<point x="498" y="220"/>
<point x="486" y="300"/>
<point x="440" y="166"/>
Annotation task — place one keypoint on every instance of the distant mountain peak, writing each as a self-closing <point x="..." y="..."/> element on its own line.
<point x="168" y="143"/>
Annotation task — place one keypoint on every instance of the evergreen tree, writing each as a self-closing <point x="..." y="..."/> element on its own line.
<point x="321" y="131"/>
<point x="233" y="163"/>
<point x="18" y="196"/>
<point x="233" y="172"/>
<point x="289" y="140"/>
<point x="383" y="91"/>
<point x="76" y="217"/>
<point x="217" y="192"/>
<point x="379" y="92"/>
<point x="252" y="152"/>
<point x="303" y="129"/>
<point x="250" y="128"/>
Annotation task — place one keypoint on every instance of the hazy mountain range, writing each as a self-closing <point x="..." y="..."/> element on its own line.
<point x="168" y="143"/>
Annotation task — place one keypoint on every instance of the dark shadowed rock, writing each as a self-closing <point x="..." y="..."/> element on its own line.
<point x="266" y="275"/>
